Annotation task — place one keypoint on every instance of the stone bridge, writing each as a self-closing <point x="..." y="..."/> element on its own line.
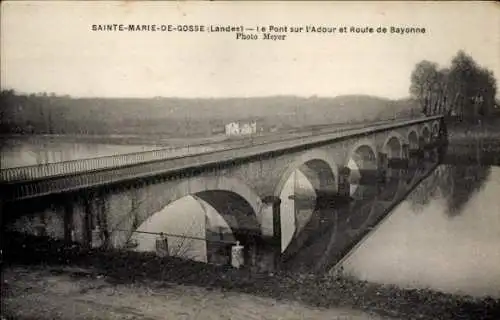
<point x="244" y="187"/>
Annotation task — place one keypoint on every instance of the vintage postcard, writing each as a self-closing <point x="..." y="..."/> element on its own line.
<point x="260" y="160"/>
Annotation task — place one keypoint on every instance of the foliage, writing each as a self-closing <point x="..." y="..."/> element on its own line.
<point x="465" y="90"/>
<point x="45" y="114"/>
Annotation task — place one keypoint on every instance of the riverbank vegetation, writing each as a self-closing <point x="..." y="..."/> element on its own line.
<point x="466" y="93"/>
<point x="464" y="90"/>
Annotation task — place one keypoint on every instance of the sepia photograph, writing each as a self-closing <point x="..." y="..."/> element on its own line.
<point x="250" y="160"/>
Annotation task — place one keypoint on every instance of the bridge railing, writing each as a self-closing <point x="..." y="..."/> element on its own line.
<point x="104" y="162"/>
<point x="122" y="160"/>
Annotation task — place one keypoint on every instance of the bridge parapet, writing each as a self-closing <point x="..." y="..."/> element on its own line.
<point x="108" y="162"/>
<point x="86" y="165"/>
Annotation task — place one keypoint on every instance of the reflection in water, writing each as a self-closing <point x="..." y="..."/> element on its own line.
<point x="297" y="204"/>
<point x="337" y="224"/>
<point x="445" y="236"/>
<point x="470" y="180"/>
<point x="456" y="184"/>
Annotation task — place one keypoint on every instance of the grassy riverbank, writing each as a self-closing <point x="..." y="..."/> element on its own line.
<point x="119" y="269"/>
<point x="474" y="142"/>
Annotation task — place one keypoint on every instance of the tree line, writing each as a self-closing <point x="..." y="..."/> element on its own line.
<point x="464" y="90"/>
<point x="181" y="117"/>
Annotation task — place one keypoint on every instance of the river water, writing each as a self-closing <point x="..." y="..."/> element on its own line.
<point x="445" y="235"/>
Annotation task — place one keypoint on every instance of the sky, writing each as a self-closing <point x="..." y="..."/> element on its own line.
<point x="50" y="47"/>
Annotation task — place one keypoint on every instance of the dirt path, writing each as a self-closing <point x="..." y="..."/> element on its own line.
<point x="44" y="293"/>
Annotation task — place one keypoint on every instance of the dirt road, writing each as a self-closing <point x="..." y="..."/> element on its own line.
<point x="70" y="293"/>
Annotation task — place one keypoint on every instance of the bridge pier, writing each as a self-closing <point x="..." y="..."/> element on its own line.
<point x="415" y="155"/>
<point x="370" y="177"/>
<point x="398" y="163"/>
<point x="429" y="152"/>
<point x="268" y="256"/>
<point x="405" y="147"/>
<point x="344" y="187"/>
<point x="87" y="223"/>
<point x="398" y="166"/>
<point x="383" y="167"/>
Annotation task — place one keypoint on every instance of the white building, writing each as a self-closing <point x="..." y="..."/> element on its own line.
<point x="236" y="129"/>
<point x="248" y="128"/>
<point x="232" y="129"/>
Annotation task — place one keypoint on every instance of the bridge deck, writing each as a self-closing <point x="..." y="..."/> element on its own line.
<point x="27" y="182"/>
<point x="103" y="162"/>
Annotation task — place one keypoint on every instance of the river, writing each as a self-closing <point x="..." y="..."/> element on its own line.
<point x="445" y="236"/>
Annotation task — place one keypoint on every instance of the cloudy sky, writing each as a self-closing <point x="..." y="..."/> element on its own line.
<point x="50" y="47"/>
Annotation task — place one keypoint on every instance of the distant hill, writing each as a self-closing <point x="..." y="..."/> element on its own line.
<point x="177" y="116"/>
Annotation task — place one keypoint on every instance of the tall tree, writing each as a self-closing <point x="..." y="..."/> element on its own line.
<point x="465" y="89"/>
<point x="463" y="73"/>
<point x="423" y="81"/>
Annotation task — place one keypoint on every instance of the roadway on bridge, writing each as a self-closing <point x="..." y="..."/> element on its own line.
<point x="82" y="165"/>
<point x="34" y="180"/>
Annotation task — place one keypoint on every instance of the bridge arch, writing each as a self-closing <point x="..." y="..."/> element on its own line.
<point x="202" y="185"/>
<point x="393" y="145"/>
<point x="393" y="148"/>
<point x="362" y="161"/>
<point x="425" y="134"/>
<point x="435" y="129"/>
<point x="318" y="161"/>
<point x="206" y="208"/>
<point x="413" y="138"/>
<point x="364" y="150"/>
<point x="312" y="174"/>
<point x="362" y="156"/>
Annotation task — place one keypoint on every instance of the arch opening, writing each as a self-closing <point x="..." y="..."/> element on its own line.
<point x="200" y="226"/>
<point x="413" y="140"/>
<point x="435" y="131"/>
<point x="425" y="136"/>
<point x="302" y="187"/>
<point x="414" y="151"/>
<point x="363" y="171"/>
<point x="396" y="161"/>
<point x="393" y="148"/>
